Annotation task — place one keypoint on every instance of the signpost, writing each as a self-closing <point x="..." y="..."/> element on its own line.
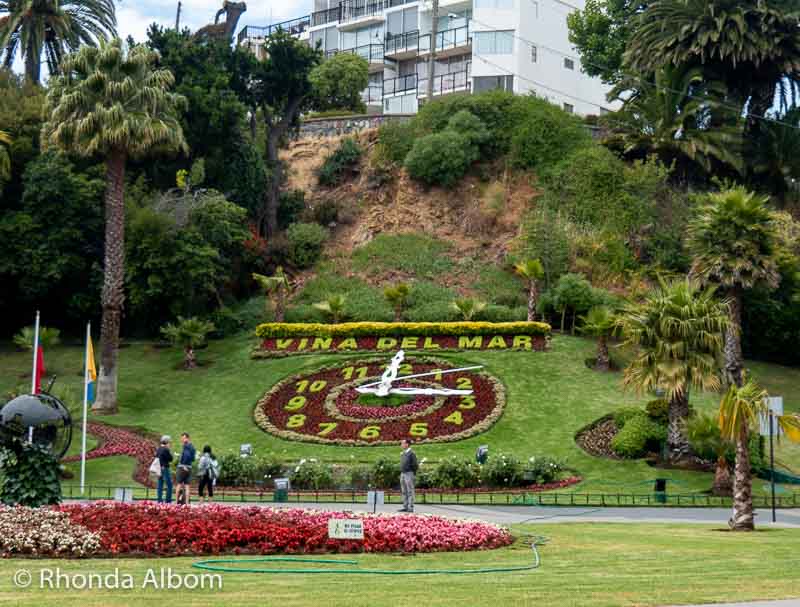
<point x="775" y="405"/>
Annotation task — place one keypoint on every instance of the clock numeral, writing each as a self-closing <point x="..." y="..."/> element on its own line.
<point x="467" y="402"/>
<point x="370" y="432"/>
<point x="455" y="418"/>
<point x="360" y="373"/>
<point x="316" y="386"/>
<point x="327" y="428"/>
<point x="296" y="421"/>
<point x="464" y="383"/>
<point x="295" y="403"/>
<point x="419" y="429"/>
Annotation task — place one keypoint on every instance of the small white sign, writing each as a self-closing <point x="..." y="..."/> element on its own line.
<point x="775" y="404"/>
<point x="346" y="529"/>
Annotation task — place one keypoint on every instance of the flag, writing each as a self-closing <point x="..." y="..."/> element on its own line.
<point x="40" y="370"/>
<point x="92" y="372"/>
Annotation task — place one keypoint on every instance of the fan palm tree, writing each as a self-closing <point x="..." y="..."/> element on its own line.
<point x="397" y="296"/>
<point x="5" y="158"/>
<point x="677" y="116"/>
<point x="333" y="308"/>
<point x="600" y="322"/>
<point x="732" y="238"/>
<point x="531" y="271"/>
<point x="707" y="442"/>
<point x="188" y="333"/>
<point x="740" y="412"/>
<point x="115" y="104"/>
<point x="468" y="308"/>
<point x="678" y="332"/>
<point x="278" y="286"/>
<point x="52" y="27"/>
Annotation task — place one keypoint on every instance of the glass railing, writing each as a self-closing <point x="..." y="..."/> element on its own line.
<point x="371" y="52"/>
<point x="402" y="42"/>
<point x="357" y="9"/>
<point x="293" y="27"/>
<point x="447" y="83"/>
<point x="330" y="15"/>
<point x="447" y="39"/>
<point x="373" y="94"/>
<point x="401" y="84"/>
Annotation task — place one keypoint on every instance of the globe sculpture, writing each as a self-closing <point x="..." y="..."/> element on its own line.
<point x="47" y="415"/>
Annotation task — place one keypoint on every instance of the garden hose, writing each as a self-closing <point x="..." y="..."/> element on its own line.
<point x="229" y="565"/>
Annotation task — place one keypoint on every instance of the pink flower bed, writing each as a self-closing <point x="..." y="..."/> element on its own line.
<point x="169" y="530"/>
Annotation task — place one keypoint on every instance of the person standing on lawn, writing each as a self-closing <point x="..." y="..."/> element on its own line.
<point x="184" y="473"/>
<point x="207" y="471"/>
<point x="164" y="456"/>
<point x="408" y="472"/>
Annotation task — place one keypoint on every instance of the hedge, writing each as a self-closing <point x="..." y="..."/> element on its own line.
<point x="388" y="329"/>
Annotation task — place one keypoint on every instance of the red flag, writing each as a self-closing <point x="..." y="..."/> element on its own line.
<point x="40" y="370"/>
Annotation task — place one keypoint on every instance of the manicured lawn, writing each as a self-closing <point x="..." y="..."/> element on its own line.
<point x="550" y="396"/>
<point x="592" y="565"/>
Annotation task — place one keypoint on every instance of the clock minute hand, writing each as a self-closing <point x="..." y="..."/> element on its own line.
<point x="443" y="372"/>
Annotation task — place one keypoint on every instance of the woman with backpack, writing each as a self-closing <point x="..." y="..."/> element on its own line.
<point x="208" y="471"/>
<point x="160" y="469"/>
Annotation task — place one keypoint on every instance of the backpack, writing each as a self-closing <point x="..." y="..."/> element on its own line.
<point x="213" y="470"/>
<point x="155" y="468"/>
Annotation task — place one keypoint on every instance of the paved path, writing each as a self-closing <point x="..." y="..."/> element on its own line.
<point x="789" y="603"/>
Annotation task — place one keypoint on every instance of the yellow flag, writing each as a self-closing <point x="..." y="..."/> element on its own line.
<point x="92" y="371"/>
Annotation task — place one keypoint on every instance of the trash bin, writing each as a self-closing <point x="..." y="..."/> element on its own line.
<point x="281" y="493"/>
<point x="660" y="491"/>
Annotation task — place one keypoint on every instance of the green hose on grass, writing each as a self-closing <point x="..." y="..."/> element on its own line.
<point x="228" y="565"/>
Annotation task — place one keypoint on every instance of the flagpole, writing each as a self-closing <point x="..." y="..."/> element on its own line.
<point x="85" y="404"/>
<point x="35" y="361"/>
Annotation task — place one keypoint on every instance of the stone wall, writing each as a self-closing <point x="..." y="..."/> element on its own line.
<point x="329" y="127"/>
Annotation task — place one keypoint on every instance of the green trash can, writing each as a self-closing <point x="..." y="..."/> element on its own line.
<point x="281" y="493"/>
<point x="660" y="491"/>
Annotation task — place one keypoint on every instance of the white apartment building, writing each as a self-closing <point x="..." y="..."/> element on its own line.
<point x="516" y="45"/>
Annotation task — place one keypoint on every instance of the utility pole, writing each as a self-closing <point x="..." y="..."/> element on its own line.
<point x="432" y="57"/>
<point x="178" y="18"/>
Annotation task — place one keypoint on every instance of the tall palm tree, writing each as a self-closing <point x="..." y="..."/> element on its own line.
<point x="678" y="332"/>
<point x="277" y="285"/>
<point x="677" y="116"/>
<point x="732" y="238"/>
<point x="740" y="412"/>
<point x="52" y="27"/>
<point x="5" y="158"/>
<point x="531" y="271"/>
<point x="600" y="322"/>
<point x="112" y="103"/>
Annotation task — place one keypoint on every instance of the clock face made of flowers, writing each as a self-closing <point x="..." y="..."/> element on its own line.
<point x="441" y="403"/>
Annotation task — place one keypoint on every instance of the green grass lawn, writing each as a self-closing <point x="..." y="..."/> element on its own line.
<point x="550" y="396"/>
<point x="591" y="565"/>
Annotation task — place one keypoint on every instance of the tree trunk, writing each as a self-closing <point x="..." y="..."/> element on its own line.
<point x="398" y="314"/>
<point x="733" y="340"/>
<point x="33" y="65"/>
<point x="189" y="360"/>
<point x="677" y="441"/>
<point x="113" y="296"/>
<point x="761" y="101"/>
<point x="603" y="362"/>
<point x="723" y="483"/>
<point x="563" y="318"/>
<point x="532" y="296"/>
<point x="272" y="195"/>
<point x="280" y="304"/>
<point x="742" y="519"/>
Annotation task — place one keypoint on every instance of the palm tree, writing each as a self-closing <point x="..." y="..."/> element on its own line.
<point x="188" y="333"/>
<point x="707" y="442"/>
<point x="677" y="116"/>
<point x="5" y="158"/>
<point x="740" y="412"/>
<point x="333" y="308"/>
<point x="115" y="104"/>
<point x="467" y="308"/>
<point x="397" y="296"/>
<point x="277" y="285"/>
<point x="678" y="332"/>
<point x="52" y="27"/>
<point x="732" y="239"/>
<point x="531" y="271"/>
<point x="600" y="322"/>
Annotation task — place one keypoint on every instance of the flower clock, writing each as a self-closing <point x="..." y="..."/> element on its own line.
<point x="344" y="404"/>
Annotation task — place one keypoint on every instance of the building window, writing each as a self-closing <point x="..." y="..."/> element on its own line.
<point x="569" y="108"/>
<point x="534" y="54"/>
<point x="569" y="63"/>
<point x="491" y="83"/>
<point x="495" y="4"/>
<point x="494" y="43"/>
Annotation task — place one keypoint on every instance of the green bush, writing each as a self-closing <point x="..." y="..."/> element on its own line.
<point x="325" y="213"/>
<point x="546" y="135"/>
<point x="340" y="163"/>
<point x="386" y="473"/>
<point x="544" y="235"/>
<point x="364" y="302"/>
<point x="396" y="138"/>
<point x="291" y="205"/>
<point x="305" y="241"/>
<point x="543" y="469"/>
<point x="312" y="474"/>
<point x="495" y="313"/>
<point x="456" y="473"/>
<point x="470" y="126"/>
<point x="639" y="435"/>
<point x="30" y="476"/>
<point x="414" y="254"/>
<point x="503" y="471"/>
<point x="237" y="471"/>
<point x="658" y="410"/>
<point x="622" y="415"/>
<point x="441" y="158"/>
<point x="360" y="478"/>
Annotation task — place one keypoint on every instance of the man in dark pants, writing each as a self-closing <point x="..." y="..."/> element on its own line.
<point x="184" y="473"/>
<point x="408" y="471"/>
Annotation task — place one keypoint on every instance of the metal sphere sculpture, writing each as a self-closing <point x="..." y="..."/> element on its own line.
<point x="47" y="415"/>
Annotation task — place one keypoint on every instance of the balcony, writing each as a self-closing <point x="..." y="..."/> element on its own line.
<point x="401" y="84"/>
<point x="295" y="27"/>
<point x="402" y="46"/>
<point x="448" y="42"/>
<point x="362" y="13"/>
<point x="444" y="84"/>
<point x="331" y="15"/>
<point x="373" y="53"/>
<point x="373" y="95"/>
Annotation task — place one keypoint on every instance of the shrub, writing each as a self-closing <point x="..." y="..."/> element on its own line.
<point x="543" y="469"/>
<point x="389" y="329"/>
<point x="237" y="471"/>
<point x="441" y="158"/>
<point x="622" y="415"/>
<point x="639" y="435"/>
<point x="495" y="313"/>
<point x="291" y="205"/>
<point x="658" y="410"/>
<point x="503" y="471"/>
<point x="470" y="126"/>
<point x="48" y="337"/>
<point x="360" y="477"/>
<point x="340" y="163"/>
<point x="325" y="213"/>
<point x="396" y="138"/>
<point x="333" y="308"/>
<point x="312" y="474"/>
<point x="545" y="236"/>
<point x="30" y="476"/>
<point x="546" y="135"/>
<point x="305" y="242"/>
<point x="455" y="473"/>
<point x="364" y="302"/>
<point x="386" y="473"/>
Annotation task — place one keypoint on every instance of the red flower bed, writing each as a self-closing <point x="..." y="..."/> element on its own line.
<point x="168" y="530"/>
<point x="121" y="441"/>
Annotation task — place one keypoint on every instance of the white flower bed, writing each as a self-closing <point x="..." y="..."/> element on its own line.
<point x="43" y="532"/>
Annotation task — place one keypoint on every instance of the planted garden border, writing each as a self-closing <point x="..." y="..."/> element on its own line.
<point x="285" y="339"/>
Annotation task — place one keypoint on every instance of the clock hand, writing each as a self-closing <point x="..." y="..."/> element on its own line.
<point x="444" y="372"/>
